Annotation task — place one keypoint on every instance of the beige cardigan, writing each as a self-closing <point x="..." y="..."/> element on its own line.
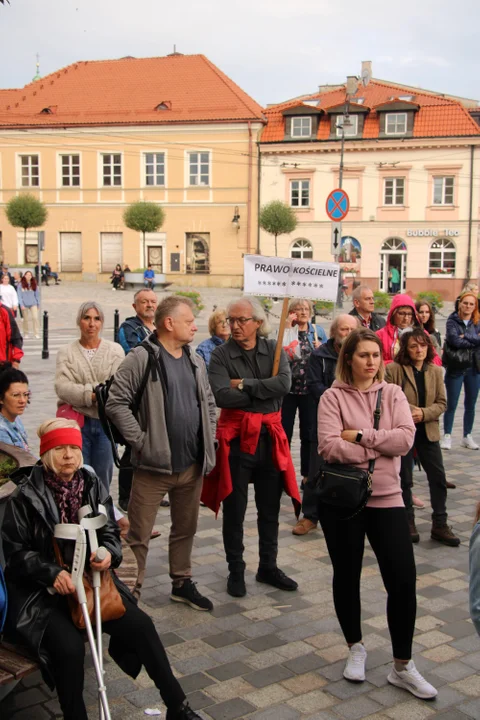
<point x="76" y="376"/>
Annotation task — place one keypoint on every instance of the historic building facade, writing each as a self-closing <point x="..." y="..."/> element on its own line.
<point x="94" y="137"/>
<point x="411" y="171"/>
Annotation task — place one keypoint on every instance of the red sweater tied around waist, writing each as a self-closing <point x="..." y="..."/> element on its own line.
<point x="217" y="485"/>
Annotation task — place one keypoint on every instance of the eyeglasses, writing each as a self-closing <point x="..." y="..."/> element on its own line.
<point x="223" y="323"/>
<point x="241" y="321"/>
<point x="17" y="395"/>
<point x="404" y="314"/>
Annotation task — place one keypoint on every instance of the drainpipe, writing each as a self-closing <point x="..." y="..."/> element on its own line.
<point x="249" y="192"/>
<point x="259" y="179"/>
<point x="470" y="213"/>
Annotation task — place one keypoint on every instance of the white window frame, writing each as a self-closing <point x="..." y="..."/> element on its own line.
<point x="301" y="186"/>
<point x="195" y="159"/>
<point x="156" y="164"/>
<point x="302" y="246"/>
<point x="29" y="166"/>
<point x="70" y="167"/>
<point x="398" y="185"/>
<point x="446" y="245"/>
<point x="305" y="124"/>
<point x="350" y="130"/>
<point x="443" y="189"/>
<point x="396" y="115"/>
<point x="113" y="165"/>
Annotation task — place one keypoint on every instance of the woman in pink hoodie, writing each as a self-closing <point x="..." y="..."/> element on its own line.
<point x="346" y="435"/>
<point x="401" y="317"/>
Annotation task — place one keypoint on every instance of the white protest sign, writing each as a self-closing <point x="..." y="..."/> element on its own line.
<point x="288" y="277"/>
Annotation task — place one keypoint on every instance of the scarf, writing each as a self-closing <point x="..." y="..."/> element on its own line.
<point x="67" y="495"/>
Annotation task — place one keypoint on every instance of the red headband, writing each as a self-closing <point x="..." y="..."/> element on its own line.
<point x="62" y="436"/>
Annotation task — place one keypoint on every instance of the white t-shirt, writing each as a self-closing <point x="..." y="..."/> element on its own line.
<point x="9" y="296"/>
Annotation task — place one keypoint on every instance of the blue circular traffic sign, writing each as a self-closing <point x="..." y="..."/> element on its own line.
<point x="337" y="205"/>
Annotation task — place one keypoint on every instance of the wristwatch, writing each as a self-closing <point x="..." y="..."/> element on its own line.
<point x="359" y="436"/>
<point x="240" y="385"/>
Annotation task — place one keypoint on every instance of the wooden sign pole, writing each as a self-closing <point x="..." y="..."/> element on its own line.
<point x="281" y="331"/>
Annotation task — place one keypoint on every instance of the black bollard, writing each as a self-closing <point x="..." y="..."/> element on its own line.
<point x="116" y="325"/>
<point x="45" y="353"/>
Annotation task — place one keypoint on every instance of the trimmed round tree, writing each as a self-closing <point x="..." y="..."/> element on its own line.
<point x="144" y="217"/>
<point x="277" y="218"/>
<point x="25" y="211"/>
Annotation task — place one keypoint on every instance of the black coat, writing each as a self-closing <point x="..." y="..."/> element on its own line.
<point x="377" y="322"/>
<point x="27" y="531"/>
<point x="321" y="368"/>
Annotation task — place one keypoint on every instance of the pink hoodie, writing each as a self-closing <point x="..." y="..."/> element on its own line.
<point x="389" y="334"/>
<point x="344" y="407"/>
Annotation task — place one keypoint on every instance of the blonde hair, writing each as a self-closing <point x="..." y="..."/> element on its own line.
<point x="295" y="302"/>
<point x="344" y="368"/>
<point x="476" y="313"/>
<point x="214" y="318"/>
<point x="48" y="458"/>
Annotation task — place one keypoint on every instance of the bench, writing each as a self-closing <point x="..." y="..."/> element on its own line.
<point x="134" y="280"/>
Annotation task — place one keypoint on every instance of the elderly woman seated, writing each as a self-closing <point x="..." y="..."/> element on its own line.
<point x="53" y="493"/>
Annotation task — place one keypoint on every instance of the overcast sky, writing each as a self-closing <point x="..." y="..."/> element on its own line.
<point x="274" y="49"/>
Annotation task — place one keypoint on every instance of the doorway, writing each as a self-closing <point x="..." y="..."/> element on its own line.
<point x="393" y="255"/>
<point x="155" y="257"/>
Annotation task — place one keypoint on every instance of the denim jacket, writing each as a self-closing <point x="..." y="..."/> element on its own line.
<point x="322" y="335"/>
<point x="474" y="556"/>
<point x="206" y="348"/>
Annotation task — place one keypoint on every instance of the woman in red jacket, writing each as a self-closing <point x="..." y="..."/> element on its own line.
<point x="402" y="316"/>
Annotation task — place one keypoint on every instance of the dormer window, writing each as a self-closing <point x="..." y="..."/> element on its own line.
<point x="301" y="127"/>
<point x="396" y="123"/>
<point x="349" y="128"/>
<point x="46" y="111"/>
<point x="167" y="105"/>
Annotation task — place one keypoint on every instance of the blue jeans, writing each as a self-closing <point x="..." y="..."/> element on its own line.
<point x="470" y="379"/>
<point x="97" y="450"/>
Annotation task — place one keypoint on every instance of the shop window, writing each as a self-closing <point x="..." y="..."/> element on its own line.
<point x="300" y="193"/>
<point x="301" y="126"/>
<point x="394" y="191"/>
<point x="350" y="250"/>
<point x="442" y="257"/>
<point x="302" y="249"/>
<point x="443" y="188"/>
<point x="198" y="253"/>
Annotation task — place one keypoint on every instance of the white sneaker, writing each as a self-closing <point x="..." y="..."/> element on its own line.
<point x="411" y="680"/>
<point x="469" y="442"/>
<point x="446" y="442"/>
<point x="355" y="667"/>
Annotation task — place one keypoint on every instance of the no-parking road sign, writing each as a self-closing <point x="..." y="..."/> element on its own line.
<point x="337" y="205"/>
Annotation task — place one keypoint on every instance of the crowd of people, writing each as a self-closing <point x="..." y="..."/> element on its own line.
<point x="202" y="424"/>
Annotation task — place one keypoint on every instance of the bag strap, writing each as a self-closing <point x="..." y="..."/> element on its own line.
<point x="376" y="422"/>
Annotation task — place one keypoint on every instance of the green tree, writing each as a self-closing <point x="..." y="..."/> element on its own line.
<point x="277" y="218"/>
<point x="26" y="211"/>
<point x="144" y="217"/>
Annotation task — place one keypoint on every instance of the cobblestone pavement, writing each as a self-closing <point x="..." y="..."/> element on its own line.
<point x="274" y="655"/>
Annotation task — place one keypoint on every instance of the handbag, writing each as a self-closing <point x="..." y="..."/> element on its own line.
<point x="456" y="359"/>
<point x="110" y="599"/>
<point x="68" y="413"/>
<point x="347" y="486"/>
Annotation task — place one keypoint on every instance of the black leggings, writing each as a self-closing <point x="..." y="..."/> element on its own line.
<point x="389" y="536"/>
<point x="307" y="412"/>
<point x="66" y="648"/>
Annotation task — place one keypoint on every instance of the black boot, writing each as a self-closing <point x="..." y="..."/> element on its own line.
<point x="184" y="712"/>
<point x="236" y="584"/>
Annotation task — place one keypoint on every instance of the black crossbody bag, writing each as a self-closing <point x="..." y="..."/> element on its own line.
<point x="347" y="486"/>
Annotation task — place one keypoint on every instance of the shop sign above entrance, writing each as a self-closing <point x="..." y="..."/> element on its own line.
<point x="433" y="233"/>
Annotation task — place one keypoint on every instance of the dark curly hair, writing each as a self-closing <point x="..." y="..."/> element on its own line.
<point x="402" y="357"/>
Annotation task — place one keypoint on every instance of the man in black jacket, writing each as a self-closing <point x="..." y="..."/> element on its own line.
<point x="363" y="306"/>
<point x="321" y="368"/>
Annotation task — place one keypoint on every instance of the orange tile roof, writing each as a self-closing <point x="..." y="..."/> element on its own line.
<point x="437" y="116"/>
<point x="127" y="91"/>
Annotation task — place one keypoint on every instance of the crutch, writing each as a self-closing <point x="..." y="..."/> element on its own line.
<point x="70" y="531"/>
<point x="91" y="525"/>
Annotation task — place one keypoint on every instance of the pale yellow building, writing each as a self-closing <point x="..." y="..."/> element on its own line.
<point x="412" y="174"/>
<point x="97" y="136"/>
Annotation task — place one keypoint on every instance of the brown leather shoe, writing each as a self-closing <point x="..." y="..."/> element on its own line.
<point x="450" y="485"/>
<point x="444" y="534"/>
<point x="304" y="526"/>
<point x="414" y="534"/>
